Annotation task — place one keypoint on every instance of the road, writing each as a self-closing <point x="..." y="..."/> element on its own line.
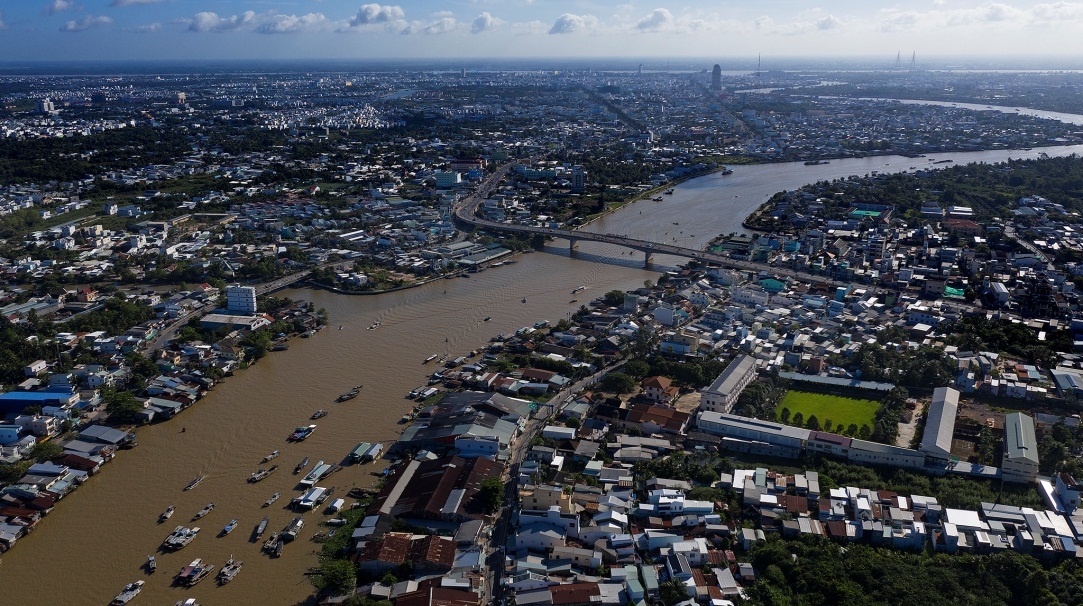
<point x="502" y="527"/>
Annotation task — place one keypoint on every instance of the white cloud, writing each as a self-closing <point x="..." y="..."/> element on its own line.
<point x="149" y="28"/>
<point x="1056" y="12"/>
<point x="441" y="26"/>
<point x="59" y="6"/>
<point x="291" y="24"/>
<point x="484" y="23"/>
<point x="568" y="23"/>
<point x="658" y="19"/>
<point x="827" y="23"/>
<point x="86" y="23"/>
<point x="134" y="2"/>
<point x="996" y="16"/>
<point x="526" y="28"/>
<point x="208" y="21"/>
<point x="374" y="14"/>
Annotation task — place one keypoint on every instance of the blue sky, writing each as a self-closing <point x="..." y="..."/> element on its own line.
<point x="232" y="29"/>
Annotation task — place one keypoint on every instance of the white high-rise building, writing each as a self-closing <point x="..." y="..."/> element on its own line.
<point x="241" y="299"/>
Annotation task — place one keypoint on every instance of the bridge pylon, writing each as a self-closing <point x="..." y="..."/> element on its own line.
<point x="573" y="246"/>
<point x="648" y="259"/>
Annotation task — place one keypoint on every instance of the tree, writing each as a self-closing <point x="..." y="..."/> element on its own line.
<point x="637" y="369"/>
<point x="618" y="382"/>
<point x="784" y="416"/>
<point x="45" y="451"/>
<point x="672" y="592"/>
<point x="572" y="422"/>
<point x="828" y="424"/>
<point x="491" y="493"/>
<point x="122" y="406"/>
<point x="614" y="298"/>
<point x="336" y="576"/>
<point x="813" y="423"/>
<point x="798" y="420"/>
<point x="852" y="430"/>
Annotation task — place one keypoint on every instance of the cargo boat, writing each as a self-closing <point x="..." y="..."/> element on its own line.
<point x="300" y="466"/>
<point x="168" y="513"/>
<point x="204" y="511"/>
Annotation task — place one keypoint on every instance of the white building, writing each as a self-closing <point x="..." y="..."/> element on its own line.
<point x="721" y="395"/>
<point x="241" y="299"/>
<point x="940" y="424"/>
<point x="1020" y="449"/>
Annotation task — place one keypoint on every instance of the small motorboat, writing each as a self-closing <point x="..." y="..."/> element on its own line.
<point x="194" y="483"/>
<point x="487" y="318"/>
<point x="271" y="500"/>
<point x="270" y="456"/>
<point x="165" y="515"/>
<point x="319" y="414"/>
<point x="230" y="527"/>
<point x="151" y="564"/>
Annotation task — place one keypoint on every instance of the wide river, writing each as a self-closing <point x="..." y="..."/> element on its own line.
<point x="96" y="539"/>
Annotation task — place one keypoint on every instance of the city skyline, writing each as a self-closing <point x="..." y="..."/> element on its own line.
<point x="88" y="30"/>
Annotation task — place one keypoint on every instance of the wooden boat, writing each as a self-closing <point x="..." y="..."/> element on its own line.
<point x="271" y="500"/>
<point x="229" y="570"/>
<point x="262" y="474"/>
<point x="151" y="564"/>
<point x="194" y="483"/>
<point x="269" y="457"/>
<point x="262" y="528"/>
<point x="269" y="544"/>
<point x="319" y="414"/>
<point x="127" y="594"/>
<point x="300" y="466"/>
<point x="194" y="572"/>
<point x="168" y="513"/>
<point x="204" y="511"/>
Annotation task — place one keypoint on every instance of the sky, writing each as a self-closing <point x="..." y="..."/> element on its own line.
<point x="88" y="30"/>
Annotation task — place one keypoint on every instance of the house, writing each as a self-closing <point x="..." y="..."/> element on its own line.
<point x="659" y="389"/>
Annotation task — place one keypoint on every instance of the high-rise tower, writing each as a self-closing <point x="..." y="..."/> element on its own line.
<point x="716" y="77"/>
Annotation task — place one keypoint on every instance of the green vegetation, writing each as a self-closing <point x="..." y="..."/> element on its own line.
<point x="618" y="382"/>
<point x="491" y="493"/>
<point x="814" y="571"/>
<point x="950" y="491"/>
<point x="978" y="333"/>
<point x="841" y="412"/>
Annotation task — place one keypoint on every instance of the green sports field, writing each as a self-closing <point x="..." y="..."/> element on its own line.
<point x="842" y="411"/>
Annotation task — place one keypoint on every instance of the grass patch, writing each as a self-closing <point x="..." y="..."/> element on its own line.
<point x="842" y="411"/>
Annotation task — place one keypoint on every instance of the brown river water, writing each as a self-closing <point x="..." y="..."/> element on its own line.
<point x="97" y="539"/>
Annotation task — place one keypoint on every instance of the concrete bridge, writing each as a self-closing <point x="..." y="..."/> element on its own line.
<point x="466" y="213"/>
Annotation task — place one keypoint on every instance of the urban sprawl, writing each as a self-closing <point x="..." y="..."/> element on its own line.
<point x="883" y="362"/>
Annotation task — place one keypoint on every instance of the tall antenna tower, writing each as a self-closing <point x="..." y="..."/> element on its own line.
<point x="898" y="60"/>
<point x="913" y="60"/>
<point x="758" y="72"/>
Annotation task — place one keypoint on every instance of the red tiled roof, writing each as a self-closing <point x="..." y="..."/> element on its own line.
<point x="574" y="593"/>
